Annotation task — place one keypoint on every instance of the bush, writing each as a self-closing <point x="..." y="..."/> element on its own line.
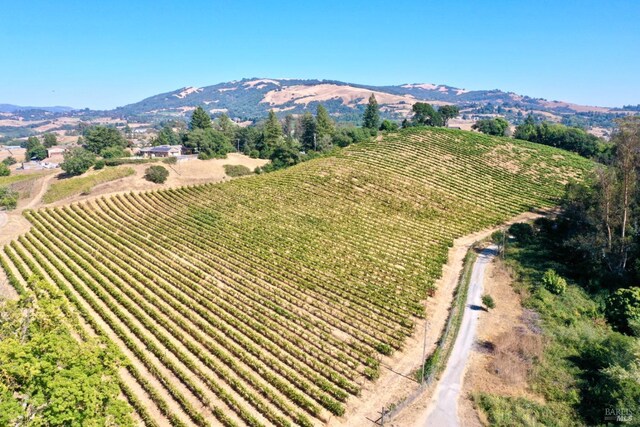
<point x="237" y="170"/>
<point x="487" y="301"/>
<point x="553" y="282"/>
<point x="114" y="152"/>
<point x="4" y="170"/>
<point x="384" y="348"/>
<point x="99" y="165"/>
<point x="388" y="125"/>
<point x="623" y="309"/>
<point x="8" y="198"/>
<point x="10" y="161"/>
<point x="157" y="174"/>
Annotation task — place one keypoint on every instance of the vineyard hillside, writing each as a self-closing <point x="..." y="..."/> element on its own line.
<point x="270" y="300"/>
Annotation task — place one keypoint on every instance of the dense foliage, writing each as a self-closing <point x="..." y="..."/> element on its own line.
<point x="77" y="161"/>
<point x="99" y="138"/>
<point x="8" y="198"/>
<point x="496" y="126"/>
<point x="561" y="136"/>
<point x="34" y="149"/>
<point x="49" y="377"/>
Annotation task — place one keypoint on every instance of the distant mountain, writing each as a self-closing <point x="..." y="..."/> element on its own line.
<point x="10" y="108"/>
<point x="251" y="99"/>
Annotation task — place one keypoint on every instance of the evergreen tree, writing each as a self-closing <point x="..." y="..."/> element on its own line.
<point x="324" y="124"/>
<point x="225" y="125"/>
<point x="371" y="117"/>
<point x="272" y="133"/>
<point x="308" y="132"/>
<point x="50" y="139"/>
<point x="200" y="119"/>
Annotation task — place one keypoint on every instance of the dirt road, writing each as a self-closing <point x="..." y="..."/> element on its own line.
<point x="443" y="407"/>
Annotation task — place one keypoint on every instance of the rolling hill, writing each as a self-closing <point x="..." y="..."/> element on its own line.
<point x="270" y="300"/>
<point x="252" y="98"/>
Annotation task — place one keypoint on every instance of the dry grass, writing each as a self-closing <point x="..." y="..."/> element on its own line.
<point x="83" y="184"/>
<point x="514" y="353"/>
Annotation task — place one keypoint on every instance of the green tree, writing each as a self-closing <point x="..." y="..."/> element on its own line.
<point x="496" y="126"/>
<point x="156" y="173"/>
<point x="4" y="170"/>
<point x="526" y="130"/>
<point x="166" y="136"/>
<point x="77" y="161"/>
<point x="49" y="378"/>
<point x="34" y="149"/>
<point x="50" y="139"/>
<point x="9" y="161"/>
<point x="272" y="134"/>
<point x="371" y="117"/>
<point x="425" y="115"/>
<point x="448" y="112"/>
<point x="200" y="119"/>
<point x="388" y="125"/>
<point x="308" y="135"/>
<point x="208" y="143"/>
<point x="97" y="138"/>
<point x="324" y="124"/>
<point x="225" y="125"/>
<point x="113" y="152"/>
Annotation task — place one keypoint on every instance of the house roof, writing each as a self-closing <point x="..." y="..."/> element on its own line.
<point x="161" y="149"/>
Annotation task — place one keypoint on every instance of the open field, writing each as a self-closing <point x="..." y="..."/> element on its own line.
<point x="273" y="300"/>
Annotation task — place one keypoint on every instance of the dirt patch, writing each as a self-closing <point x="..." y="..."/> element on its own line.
<point x="508" y="343"/>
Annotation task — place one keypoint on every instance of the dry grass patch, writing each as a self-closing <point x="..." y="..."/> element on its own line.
<point x="83" y="184"/>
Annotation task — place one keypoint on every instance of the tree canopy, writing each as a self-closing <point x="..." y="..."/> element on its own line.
<point x="425" y="115"/>
<point x="200" y="119"/>
<point x="77" y="161"/>
<point x="208" y="143"/>
<point x="325" y="127"/>
<point x="97" y="138"/>
<point x="371" y="117"/>
<point x="49" y="140"/>
<point x="496" y="126"/>
<point x="560" y="136"/>
<point x="34" y="149"/>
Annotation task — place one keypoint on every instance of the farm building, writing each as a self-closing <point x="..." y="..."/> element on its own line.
<point x="161" y="151"/>
<point x="55" y="151"/>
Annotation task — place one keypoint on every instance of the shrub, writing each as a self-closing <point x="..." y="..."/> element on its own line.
<point x="237" y="170"/>
<point x="114" y="152"/>
<point x="10" y="161"/>
<point x="487" y="301"/>
<point x="4" y="170"/>
<point x="384" y="348"/>
<point x="553" y="282"/>
<point x="99" y="165"/>
<point x="388" y="125"/>
<point x="623" y="309"/>
<point x="8" y="198"/>
<point x="157" y="174"/>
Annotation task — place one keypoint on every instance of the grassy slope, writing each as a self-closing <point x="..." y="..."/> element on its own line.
<point x="363" y="234"/>
<point x="12" y="179"/>
<point x="72" y="186"/>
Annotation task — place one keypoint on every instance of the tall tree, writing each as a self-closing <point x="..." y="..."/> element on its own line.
<point x="371" y="117"/>
<point x="272" y="129"/>
<point x="225" y="125"/>
<point x="308" y="136"/>
<point x="35" y="149"/>
<point x="448" y="112"/>
<point x="325" y="127"/>
<point x="200" y="119"/>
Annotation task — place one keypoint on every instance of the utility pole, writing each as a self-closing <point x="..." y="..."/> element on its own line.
<point x="238" y="144"/>
<point x="424" y="353"/>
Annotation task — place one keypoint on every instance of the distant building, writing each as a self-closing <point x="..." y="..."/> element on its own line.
<point x="56" y="151"/>
<point x="161" y="151"/>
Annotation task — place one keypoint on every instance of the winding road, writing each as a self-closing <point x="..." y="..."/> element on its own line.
<point x="443" y="407"/>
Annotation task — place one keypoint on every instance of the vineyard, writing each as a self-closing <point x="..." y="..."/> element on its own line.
<point x="270" y="300"/>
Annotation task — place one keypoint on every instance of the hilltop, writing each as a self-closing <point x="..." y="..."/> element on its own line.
<point x="276" y="299"/>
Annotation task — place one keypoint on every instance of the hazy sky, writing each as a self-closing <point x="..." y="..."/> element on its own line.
<point x="102" y="54"/>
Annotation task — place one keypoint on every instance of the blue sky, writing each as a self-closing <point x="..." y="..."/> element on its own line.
<point x="102" y="54"/>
